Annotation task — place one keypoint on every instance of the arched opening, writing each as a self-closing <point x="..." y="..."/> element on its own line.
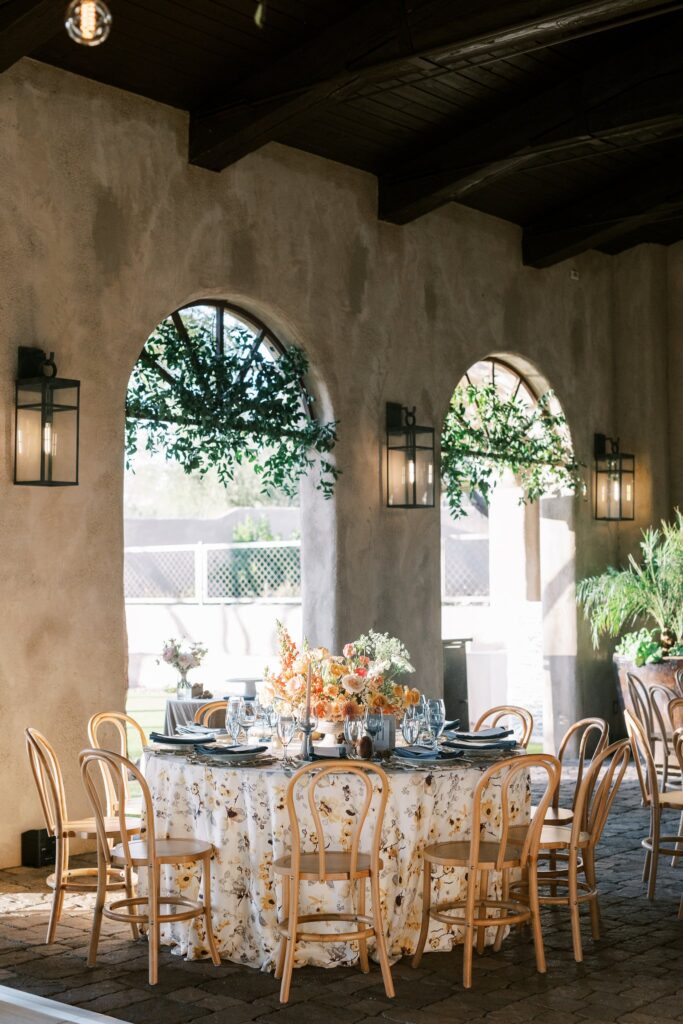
<point x="507" y="538"/>
<point x="220" y="432"/>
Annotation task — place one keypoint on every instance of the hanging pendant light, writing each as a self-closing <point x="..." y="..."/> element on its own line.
<point x="88" y="22"/>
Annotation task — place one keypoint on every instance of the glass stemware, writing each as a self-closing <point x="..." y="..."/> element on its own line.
<point x="233" y="726"/>
<point x="287" y="726"/>
<point x="248" y="716"/>
<point x="373" y="724"/>
<point x="436" y="719"/>
<point x="270" y="717"/>
<point x="411" y="726"/>
<point x="353" y="733"/>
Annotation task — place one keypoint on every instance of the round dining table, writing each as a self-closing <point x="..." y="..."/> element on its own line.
<point x="242" y="812"/>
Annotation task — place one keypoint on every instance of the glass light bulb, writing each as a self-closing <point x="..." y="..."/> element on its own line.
<point x="88" y="22"/>
<point x="411" y="471"/>
<point x="615" y="490"/>
<point x="47" y="439"/>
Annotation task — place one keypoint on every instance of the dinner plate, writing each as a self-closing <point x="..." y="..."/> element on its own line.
<point x="180" y="741"/>
<point x="232" y="756"/>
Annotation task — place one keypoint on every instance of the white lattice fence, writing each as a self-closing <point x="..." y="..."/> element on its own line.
<point x="465" y="567"/>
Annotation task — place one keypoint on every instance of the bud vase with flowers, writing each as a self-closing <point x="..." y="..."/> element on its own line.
<point x="183" y="656"/>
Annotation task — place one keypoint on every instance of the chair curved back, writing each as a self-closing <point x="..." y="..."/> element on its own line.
<point x="49" y="781"/>
<point x="643" y="758"/>
<point x="640" y="701"/>
<point x="494" y="716"/>
<point x="96" y="761"/>
<point x="108" y="722"/>
<point x="317" y="771"/>
<point x="595" y="729"/>
<point x="660" y="698"/>
<point x="596" y="795"/>
<point x="203" y="715"/>
<point x="677" y="742"/>
<point x="675" y="712"/>
<point x="507" y="772"/>
<point x="678" y="678"/>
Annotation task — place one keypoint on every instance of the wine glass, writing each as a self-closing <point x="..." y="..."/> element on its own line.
<point x="287" y="725"/>
<point x="234" y="727"/>
<point x="353" y="733"/>
<point x="373" y="724"/>
<point x="233" y="709"/>
<point x="248" y="716"/>
<point x="270" y="717"/>
<point x="411" y="725"/>
<point x="436" y="719"/>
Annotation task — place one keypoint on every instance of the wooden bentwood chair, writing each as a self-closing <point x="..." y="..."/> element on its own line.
<point x="203" y="715"/>
<point x="326" y="865"/>
<point x="595" y="730"/>
<point x="148" y="852"/>
<point x="655" y="844"/>
<point x="50" y="785"/>
<point x="494" y="716"/>
<point x="576" y="844"/>
<point x="102" y="729"/>
<point x="482" y="856"/>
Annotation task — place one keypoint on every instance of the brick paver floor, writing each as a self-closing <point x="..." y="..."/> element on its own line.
<point x="634" y="975"/>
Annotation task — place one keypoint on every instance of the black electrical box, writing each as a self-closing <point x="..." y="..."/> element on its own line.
<point x="37" y="848"/>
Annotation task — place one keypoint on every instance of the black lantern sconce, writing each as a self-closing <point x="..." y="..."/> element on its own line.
<point x="410" y="460"/>
<point x="47" y="420"/>
<point x="615" y="484"/>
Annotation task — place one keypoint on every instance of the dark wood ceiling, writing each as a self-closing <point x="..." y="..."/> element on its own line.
<point x="563" y="116"/>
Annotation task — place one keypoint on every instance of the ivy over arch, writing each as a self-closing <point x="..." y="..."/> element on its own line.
<point x="213" y="388"/>
<point x="494" y="422"/>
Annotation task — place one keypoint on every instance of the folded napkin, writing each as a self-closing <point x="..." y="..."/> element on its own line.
<point x="481" y="744"/>
<point x="194" y="728"/>
<point x="498" y="732"/>
<point x="453" y="723"/>
<point x="160" y="737"/>
<point x="229" y="751"/>
<point x="417" y="753"/>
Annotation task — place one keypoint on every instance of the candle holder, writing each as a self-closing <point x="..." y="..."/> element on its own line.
<point x="307" y="724"/>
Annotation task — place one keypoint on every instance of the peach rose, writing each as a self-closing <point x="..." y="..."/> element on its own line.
<point x="348" y="650"/>
<point x="352" y="683"/>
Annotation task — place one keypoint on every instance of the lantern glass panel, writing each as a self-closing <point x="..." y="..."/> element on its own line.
<point x="615" y="486"/>
<point x="424" y="477"/>
<point x="28" y="438"/>
<point x="628" y="490"/>
<point x="397" y="473"/>
<point x="46" y="444"/>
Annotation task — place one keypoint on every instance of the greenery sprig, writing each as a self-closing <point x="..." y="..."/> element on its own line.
<point x="486" y="432"/>
<point x="207" y="410"/>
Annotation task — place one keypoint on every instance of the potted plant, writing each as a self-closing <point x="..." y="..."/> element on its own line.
<point x="646" y="594"/>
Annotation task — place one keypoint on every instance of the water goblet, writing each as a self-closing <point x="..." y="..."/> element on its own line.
<point x="436" y="719"/>
<point x="287" y="726"/>
<point x="410" y="726"/>
<point x="234" y="727"/>
<point x="248" y="716"/>
<point x="373" y="724"/>
<point x="353" y="733"/>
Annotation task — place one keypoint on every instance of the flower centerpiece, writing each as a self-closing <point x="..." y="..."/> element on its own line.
<point x="365" y="675"/>
<point x="183" y="656"/>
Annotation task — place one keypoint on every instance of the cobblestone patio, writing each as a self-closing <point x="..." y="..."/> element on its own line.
<point x="634" y="975"/>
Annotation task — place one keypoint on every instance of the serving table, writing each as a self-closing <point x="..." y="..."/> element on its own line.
<point x="242" y="812"/>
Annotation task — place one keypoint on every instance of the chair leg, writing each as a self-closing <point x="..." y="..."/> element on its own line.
<point x="468" y="944"/>
<point x="574" y="907"/>
<point x="379" y="935"/>
<point x="535" y="908"/>
<point x="589" y="871"/>
<point x="362" y="943"/>
<point x="654" y="860"/>
<point x="426" y="904"/>
<point x="61" y="875"/>
<point x="97" y="914"/>
<point x="679" y="846"/>
<point x="293" y="924"/>
<point x="483" y="895"/>
<point x="500" y="930"/>
<point x="130" y="894"/>
<point x="279" y="967"/>
<point x="206" y="884"/>
<point x="154" y="924"/>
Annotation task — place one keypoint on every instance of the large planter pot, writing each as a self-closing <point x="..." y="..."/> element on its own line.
<point x="663" y="674"/>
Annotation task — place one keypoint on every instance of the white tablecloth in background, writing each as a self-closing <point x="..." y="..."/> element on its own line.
<point x="243" y="813"/>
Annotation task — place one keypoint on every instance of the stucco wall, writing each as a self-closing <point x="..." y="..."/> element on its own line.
<point x="104" y="229"/>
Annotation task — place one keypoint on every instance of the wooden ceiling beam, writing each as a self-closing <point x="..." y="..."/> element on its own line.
<point x="654" y="194"/>
<point x="380" y="39"/>
<point x="25" y="25"/>
<point x="636" y="90"/>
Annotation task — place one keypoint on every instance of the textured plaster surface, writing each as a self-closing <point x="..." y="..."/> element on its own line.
<point x="105" y="228"/>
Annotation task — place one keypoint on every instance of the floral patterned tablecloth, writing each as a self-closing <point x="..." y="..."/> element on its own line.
<point x="243" y="813"/>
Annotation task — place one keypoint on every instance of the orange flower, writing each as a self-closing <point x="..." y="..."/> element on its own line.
<point x="412" y="698"/>
<point x="378" y="700"/>
<point x="351" y="709"/>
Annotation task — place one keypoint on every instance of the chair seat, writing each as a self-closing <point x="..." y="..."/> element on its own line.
<point x="673" y="799"/>
<point x="557" y="815"/>
<point x="557" y="837"/>
<point x="458" y="854"/>
<point x="169" y="851"/>
<point x="337" y="866"/>
<point x="87" y="827"/>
